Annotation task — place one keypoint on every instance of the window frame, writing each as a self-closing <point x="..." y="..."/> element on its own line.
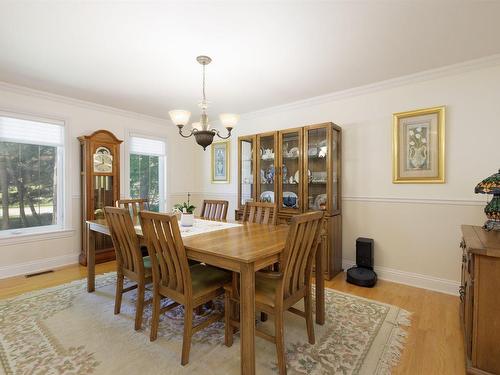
<point x="162" y="166"/>
<point x="62" y="227"/>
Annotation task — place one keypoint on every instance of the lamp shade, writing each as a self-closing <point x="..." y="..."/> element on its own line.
<point x="490" y="185"/>
<point x="229" y="120"/>
<point x="179" y="116"/>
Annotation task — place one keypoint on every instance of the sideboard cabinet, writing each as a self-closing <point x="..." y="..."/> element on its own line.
<point x="480" y="299"/>
<point x="299" y="170"/>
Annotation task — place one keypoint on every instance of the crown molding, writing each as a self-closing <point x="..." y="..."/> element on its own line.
<point x="23" y="90"/>
<point x="426" y="75"/>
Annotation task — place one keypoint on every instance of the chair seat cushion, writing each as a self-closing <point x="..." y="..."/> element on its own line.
<point x="265" y="290"/>
<point x="147" y="266"/>
<point x="206" y="279"/>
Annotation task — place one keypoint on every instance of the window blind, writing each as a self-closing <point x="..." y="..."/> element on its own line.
<point x="30" y="132"/>
<point x="146" y="146"/>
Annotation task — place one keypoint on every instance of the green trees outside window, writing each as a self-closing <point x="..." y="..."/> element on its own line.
<point x="28" y="185"/>
<point x="145" y="179"/>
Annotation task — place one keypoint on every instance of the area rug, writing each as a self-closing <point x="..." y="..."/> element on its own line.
<point x="65" y="330"/>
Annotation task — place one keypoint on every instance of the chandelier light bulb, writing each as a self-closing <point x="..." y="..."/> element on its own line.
<point x="179" y="117"/>
<point x="229" y="120"/>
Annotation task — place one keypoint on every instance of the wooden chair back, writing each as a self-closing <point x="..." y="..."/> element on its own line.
<point x="214" y="209"/>
<point x="169" y="262"/>
<point x="125" y="241"/>
<point x="134" y="206"/>
<point x="260" y="213"/>
<point x="300" y="248"/>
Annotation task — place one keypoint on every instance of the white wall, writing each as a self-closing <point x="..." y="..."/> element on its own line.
<point x="42" y="252"/>
<point x="416" y="227"/>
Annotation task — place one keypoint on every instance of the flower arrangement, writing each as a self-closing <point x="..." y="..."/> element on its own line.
<point x="184" y="207"/>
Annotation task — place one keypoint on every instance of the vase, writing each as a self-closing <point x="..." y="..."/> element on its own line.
<point x="418" y="156"/>
<point x="187" y="220"/>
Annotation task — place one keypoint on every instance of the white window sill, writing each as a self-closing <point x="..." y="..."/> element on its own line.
<point x="35" y="235"/>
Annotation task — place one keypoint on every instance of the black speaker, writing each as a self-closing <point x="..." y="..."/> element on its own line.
<point x="364" y="252"/>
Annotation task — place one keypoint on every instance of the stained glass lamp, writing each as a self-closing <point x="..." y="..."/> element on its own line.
<point x="491" y="185"/>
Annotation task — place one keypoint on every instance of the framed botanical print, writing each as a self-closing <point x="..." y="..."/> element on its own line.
<point x="419" y="146"/>
<point x="220" y="162"/>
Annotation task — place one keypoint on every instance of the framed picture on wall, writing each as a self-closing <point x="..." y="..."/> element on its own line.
<point x="220" y="162"/>
<point x="419" y="146"/>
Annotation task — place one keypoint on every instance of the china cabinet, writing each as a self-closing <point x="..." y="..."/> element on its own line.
<point x="100" y="186"/>
<point x="299" y="170"/>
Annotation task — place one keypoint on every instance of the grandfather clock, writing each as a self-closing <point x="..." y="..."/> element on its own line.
<point x="100" y="186"/>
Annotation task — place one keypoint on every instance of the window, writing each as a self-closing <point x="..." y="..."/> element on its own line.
<point x="31" y="175"/>
<point x="147" y="171"/>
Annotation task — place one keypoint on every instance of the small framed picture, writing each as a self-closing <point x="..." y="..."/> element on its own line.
<point x="220" y="162"/>
<point x="419" y="146"/>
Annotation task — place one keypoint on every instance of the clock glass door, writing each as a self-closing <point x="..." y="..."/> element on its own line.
<point x="103" y="196"/>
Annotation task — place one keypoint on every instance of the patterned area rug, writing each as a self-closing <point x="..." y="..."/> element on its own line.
<point x="65" y="330"/>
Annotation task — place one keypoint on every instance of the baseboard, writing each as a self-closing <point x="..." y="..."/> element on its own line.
<point x="413" y="279"/>
<point x="38" y="265"/>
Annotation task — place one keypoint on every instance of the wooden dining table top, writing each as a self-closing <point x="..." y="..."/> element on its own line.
<point x="246" y="243"/>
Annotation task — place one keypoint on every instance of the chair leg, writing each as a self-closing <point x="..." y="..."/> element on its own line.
<point x="139" y="305"/>
<point x="309" y="318"/>
<point x="188" y="332"/>
<point x="228" y="329"/>
<point x="119" y="292"/>
<point x="155" y="318"/>
<point x="280" y="341"/>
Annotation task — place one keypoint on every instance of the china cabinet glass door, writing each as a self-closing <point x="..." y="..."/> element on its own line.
<point x="321" y="192"/>
<point x="246" y="170"/>
<point x="266" y="167"/>
<point x="290" y="192"/>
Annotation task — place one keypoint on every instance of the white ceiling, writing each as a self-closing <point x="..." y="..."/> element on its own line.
<point x="140" y="56"/>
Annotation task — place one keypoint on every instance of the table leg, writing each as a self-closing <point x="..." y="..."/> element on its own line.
<point x="320" y="284"/>
<point x="247" y="319"/>
<point x="90" y="259"/>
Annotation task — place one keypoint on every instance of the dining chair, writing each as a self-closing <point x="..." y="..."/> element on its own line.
<point x="214" y="209"/>
<point x="277" y="292"/>
<point x="260" y="213"/>
<point x="173" y="278"/>
<point x="134" y="206"/>
<point x="129" y="260"/>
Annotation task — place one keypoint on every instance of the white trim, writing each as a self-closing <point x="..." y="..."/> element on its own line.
<point x="410" y="278"/>
<point x="434" y="201"/>
<point x="36" y="234"/>
<point x="23" y="90"/>
<point x="406" y="200"/>
<point x="38" y="265"/>
<point x="426" y="75"/>
<point x="448" y="70"/>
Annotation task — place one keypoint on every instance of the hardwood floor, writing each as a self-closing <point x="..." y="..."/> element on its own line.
<point x="434" y="344"/>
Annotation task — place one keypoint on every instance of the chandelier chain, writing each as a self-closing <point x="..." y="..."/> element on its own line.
<point x="204" y="97"/>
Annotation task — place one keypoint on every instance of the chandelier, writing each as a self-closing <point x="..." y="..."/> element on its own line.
<point x="202" y="132"/>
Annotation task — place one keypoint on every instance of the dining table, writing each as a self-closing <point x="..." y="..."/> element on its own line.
<point x="243" y="249"/>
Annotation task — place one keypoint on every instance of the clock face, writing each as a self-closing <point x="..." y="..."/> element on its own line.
<point x="103" y="160"/>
